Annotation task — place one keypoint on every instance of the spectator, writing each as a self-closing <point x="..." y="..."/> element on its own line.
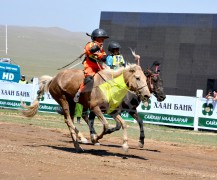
<point x="23" y="80"/>
<point x="78" y="112"/>
<point x="212" y="95"/>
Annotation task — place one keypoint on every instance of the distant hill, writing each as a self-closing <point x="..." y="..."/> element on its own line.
<point x="41" y="51"/>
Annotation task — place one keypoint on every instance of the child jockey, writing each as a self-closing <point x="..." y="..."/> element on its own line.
<point x="94" y="56"/>
<point x="115" y="60"/>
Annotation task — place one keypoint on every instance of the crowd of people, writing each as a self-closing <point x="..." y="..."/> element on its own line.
<point x="212" y="94"/>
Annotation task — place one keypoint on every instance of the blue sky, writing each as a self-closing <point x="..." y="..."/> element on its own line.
<point x="84" y="15"/>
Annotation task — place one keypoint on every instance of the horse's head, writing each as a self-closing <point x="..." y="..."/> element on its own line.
<point x="137" y="81"/>
<point x="155" y="84"/>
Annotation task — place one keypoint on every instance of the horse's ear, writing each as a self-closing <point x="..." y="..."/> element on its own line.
<point x="155" y="63"/>
<point x="155" y="66"/>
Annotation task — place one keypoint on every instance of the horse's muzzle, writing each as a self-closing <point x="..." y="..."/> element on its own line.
<point x="161" y="98"/>
<point x="145" y="98"/>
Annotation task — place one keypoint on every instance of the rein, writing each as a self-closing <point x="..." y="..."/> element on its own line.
<point x="138" y="93"/>
<point x="142" y="87"/>
<point x="102" y="77"/>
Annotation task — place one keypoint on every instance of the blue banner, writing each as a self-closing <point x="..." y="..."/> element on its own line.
<point x="9" y="72"/>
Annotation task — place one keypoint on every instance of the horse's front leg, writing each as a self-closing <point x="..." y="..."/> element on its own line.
<point x="101" y="117"/>
<point x="125" y="146"/>
<point x="93" y="134"/>
<point x="134" y="114"/>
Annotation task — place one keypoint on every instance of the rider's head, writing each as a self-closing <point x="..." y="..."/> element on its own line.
<point x="23" y="77"/>
<point x="114" y="47"/>
<point x="99" y="35"/>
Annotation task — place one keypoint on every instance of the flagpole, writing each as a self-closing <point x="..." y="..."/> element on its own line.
<point x="6" y="40"/>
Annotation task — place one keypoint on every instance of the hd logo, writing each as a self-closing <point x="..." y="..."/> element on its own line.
<point x="146" y="105"/>
<point x="207" y="109"/>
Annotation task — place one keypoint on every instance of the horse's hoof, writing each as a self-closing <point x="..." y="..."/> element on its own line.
<point x="93" y="138"/>
<point x="125" y="148"/>
<point x="140" y="145"/>
<point x="84" y="140"/>
<point x="97" y="144"/>
<point x="78" y="148"/>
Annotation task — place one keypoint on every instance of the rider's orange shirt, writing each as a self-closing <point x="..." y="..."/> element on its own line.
<point x="92" y="62"/>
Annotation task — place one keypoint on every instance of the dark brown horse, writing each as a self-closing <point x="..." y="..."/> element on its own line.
<point x="66" y="83"/>
<point x="131" y="101"/>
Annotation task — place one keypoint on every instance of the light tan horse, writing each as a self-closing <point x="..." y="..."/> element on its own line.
<point x="65" y="84"/>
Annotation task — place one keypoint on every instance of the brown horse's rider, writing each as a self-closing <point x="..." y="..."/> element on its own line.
<point x="94" y="56"/>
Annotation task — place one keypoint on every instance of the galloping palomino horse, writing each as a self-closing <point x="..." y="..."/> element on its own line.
<point x="131" y="101"/>
<point x="65" y="84"/>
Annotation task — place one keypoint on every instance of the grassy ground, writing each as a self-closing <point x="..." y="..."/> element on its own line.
<point x="159" y="133"/>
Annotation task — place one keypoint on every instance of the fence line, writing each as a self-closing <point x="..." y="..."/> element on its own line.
<point x="182" y="111"/>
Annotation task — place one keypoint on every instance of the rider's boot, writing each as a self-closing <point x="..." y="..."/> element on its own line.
<point x="86" y="80"/>
<point x="77" y="96"/>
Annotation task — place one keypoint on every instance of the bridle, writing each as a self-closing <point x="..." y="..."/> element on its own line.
<point x="150" y="80"/>
<point x="138" y="90"/>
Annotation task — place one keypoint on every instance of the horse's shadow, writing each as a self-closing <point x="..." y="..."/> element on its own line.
<point x="118" y="146"/>
<point x="104" y="152"/>
<point x="97" y="152"/>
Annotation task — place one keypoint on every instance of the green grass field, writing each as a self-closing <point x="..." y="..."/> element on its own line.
<point x="154" y="132"/>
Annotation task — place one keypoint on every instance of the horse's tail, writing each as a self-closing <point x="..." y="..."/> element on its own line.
<point x="30" y="111"/>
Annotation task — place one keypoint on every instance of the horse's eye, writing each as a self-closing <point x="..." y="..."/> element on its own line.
<point x="137" y="78"/>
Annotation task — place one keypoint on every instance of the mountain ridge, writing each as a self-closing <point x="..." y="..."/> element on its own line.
<point x="40" y="50"/>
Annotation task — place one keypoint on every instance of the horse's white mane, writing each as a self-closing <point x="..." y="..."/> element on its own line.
<point x="43" y="80"/>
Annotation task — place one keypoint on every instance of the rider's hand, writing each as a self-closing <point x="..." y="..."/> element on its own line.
<point x="94" y="49"/>
<point x="104" y="58"/>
